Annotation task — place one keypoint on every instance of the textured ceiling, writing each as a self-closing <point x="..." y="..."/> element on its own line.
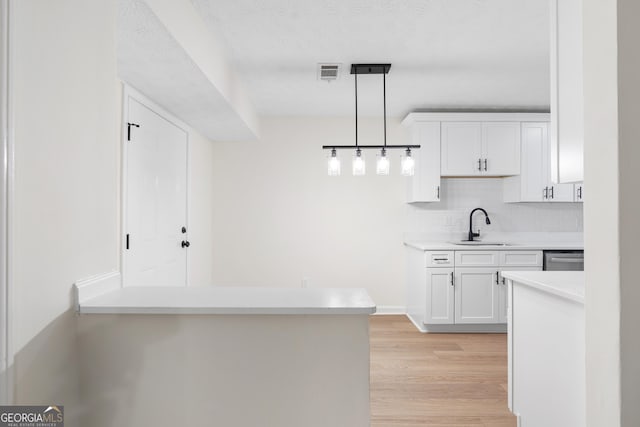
<point x="151" y="60"/>
<point x="458" y="54"/>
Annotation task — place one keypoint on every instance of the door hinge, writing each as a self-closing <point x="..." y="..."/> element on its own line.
<point x="127" y="242"/>
<point x="129" y="129"/>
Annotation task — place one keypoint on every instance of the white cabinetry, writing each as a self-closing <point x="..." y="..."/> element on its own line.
<point x="424" y="185"/>
<point x="476" y="295"/>
<point x="567" y="102"/>
<point x="440" y="296"/>
<point x="480" y="148"/>
<point x="458" y="288"/>
<point x="534" y="183"/>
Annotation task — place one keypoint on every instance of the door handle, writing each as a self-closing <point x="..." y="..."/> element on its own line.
<point x="485" y="165"/>
<point x="185" y="244"/>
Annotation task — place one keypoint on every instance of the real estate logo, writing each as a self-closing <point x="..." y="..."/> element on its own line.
<point x="32" y="416"/>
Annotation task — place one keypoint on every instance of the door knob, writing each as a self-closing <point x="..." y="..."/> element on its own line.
<point x="185" y="244"/>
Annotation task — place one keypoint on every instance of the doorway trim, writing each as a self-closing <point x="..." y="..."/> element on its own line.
<point x="128" y="92"/>
<point x="6" y="199"/>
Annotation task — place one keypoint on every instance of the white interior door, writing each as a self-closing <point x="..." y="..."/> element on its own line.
<point x="155" y="251"/>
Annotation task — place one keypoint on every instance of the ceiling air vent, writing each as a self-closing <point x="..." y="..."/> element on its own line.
<point x="328" y="72"/>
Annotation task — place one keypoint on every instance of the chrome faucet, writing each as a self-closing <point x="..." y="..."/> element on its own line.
<point x="471" y="233"/>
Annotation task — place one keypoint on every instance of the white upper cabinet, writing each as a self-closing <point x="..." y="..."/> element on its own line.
<point x="567" y="102"/>
<point x="501" y="148"/>
<point x="480" y="148"/>
<point x="534" y="183"/>
<point x="424" y="185"/>
<point x="461" y="148"/>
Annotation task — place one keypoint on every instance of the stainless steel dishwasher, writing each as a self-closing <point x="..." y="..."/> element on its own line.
<point x="563" y="261"/>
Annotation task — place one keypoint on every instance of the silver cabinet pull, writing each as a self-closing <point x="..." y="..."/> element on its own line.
<point x="452" y="279"/>
<point x="497" y="277"/>
<point x="580" y="193"/>
<point x="438" y="193"/>
<point x="480" y="165"/>
<point x="552" y="191"/>
<point x="545" y="193"/>
<point x="485" y="164"/>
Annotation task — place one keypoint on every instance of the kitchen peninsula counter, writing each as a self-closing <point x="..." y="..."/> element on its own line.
<point x="226" y="356"/>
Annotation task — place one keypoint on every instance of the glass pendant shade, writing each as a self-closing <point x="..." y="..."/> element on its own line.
<point x="407" y="164"/>
<point x="358" y="166"/>
<point x="333" y="164"/>
<point x="382" y="163"/>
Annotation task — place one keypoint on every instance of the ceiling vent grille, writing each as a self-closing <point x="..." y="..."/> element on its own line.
<point x="328" y="72"/>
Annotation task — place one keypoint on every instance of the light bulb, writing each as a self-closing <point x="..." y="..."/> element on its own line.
<point x="358" y="166"/>
<point x="382" y="163"/>
<point x="407" y="164"/>
<point x="333" y="164"/>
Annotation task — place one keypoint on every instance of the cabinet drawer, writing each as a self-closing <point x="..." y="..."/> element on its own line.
<point x="477" y="259"/>
<point x="440" y="259"/>
<point x="521" y="259"/>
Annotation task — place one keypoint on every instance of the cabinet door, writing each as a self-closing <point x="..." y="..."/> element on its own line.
<point x="503" y="291"/>
<point x="535" y="161"/>
<point x="579" y="193"/>
<point x="440" y="296"/>
<point x="560" y="193"/>
<point x="424" y="185"/>
<point x="500" y="148"/>
<point x="461" y="148"/>
<point x="477" y="295"/>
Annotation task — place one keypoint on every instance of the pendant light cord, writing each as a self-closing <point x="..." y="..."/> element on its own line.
<point x="384" y="103"/>
<point x="356" y="84"/>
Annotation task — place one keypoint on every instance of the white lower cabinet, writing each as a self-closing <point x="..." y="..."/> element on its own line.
<point x="439" y="296"/>
<point x="476" y="294"/>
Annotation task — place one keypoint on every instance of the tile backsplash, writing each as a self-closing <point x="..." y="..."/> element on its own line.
<point x="461" y="195"/>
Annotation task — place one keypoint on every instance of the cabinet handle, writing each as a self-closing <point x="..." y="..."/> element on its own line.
<point x="545" y="193"/>
<point x="504" y="281"/>
<point x="438" y="193"/>
<point x="480" y="165"/>
<point x="485" y="164"/>
<point x="579" y="193"/>
<point x="497" y="277"/>
<point x="552" y="191"/>
<point x="452" y="279"/>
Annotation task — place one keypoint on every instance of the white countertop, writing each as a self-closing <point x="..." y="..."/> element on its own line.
<point x="565" y="284"/>
<point x="512" y="246"/>
<point x="229" y="300"/>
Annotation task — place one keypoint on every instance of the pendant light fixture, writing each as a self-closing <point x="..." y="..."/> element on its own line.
<point x="358" y="167"/>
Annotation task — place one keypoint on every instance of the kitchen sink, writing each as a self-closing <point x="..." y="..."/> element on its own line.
<point x="479" y="243"/>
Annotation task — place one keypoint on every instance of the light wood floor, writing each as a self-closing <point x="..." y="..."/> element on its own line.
<point x="437" y="380"/>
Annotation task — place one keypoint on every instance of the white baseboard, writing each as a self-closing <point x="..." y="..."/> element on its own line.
<point x="93" y="286"/>
<point x="391" y="309"/>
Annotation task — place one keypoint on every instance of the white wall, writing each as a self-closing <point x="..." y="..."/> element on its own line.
<point x="629" y="128"/>
<point x="200" y="209"/>
<point x="65" y="104"/>
<point x="279" y="218"/>
<point x="612" y="88"/>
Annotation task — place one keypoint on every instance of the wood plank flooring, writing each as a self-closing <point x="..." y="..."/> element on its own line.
<point x="437" y="380"/>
